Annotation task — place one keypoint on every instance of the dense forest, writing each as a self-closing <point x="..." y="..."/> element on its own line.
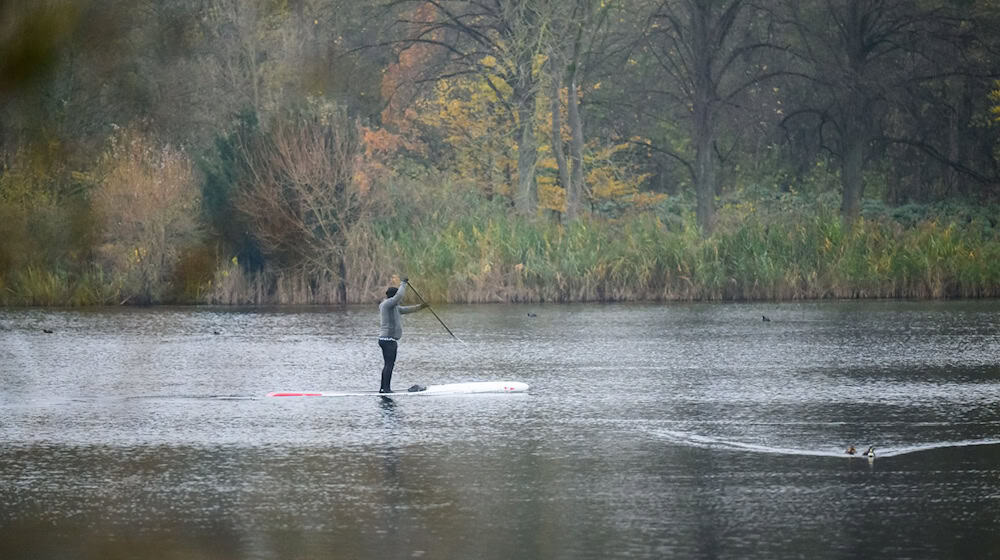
<point x="305" y="151"/>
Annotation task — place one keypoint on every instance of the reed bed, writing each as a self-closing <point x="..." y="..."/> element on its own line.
<point x="468" y="250"/>
<point x="501" y="258"/>
<point x="38" y="286"/>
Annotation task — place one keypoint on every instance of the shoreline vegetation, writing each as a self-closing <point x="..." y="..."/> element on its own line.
<point x="466" y="249"/>
<point x="250" y="152"/>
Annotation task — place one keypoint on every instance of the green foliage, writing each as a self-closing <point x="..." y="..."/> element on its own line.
<point x="784" y="249"/>
<point x="46" y="224"/>
<point x="465" y="248"/>
<point x="81" y="223"/>
<point x="34" y="285"/>
<point x="146" y="198"/>
<point x="17" y="246"/>
<point x="222" y="167"/>
<point x="193" y="274"/>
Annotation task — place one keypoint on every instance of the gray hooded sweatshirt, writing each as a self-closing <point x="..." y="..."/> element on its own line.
<point x="390" y="311"/>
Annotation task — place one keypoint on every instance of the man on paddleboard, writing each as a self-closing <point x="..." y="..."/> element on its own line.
<point x="391" y="330"/>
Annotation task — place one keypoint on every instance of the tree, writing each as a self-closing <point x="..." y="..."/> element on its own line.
<point x="579" y="28"/>
<point x="469" y="116"/>
<point x="874" y="69"/>
<point x="222" y="168"/>
<point x="147" y="199"/>
<point x="300" y="195"/>
<point x="705" y="53"/>
<point x="465" y="35"/>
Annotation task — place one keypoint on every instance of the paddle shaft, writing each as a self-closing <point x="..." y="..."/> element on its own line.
<point x="415" y="292"/>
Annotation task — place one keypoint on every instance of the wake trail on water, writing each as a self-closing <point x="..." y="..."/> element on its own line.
<point x="709" y="442"/>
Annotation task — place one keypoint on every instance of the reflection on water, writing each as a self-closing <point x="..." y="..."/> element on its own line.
<point x="650" y="431"/>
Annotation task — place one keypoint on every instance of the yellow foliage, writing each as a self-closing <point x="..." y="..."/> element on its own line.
<point x="550" y="195"/>
<point x="604" y="184"/>
<point x="30" y="178"/>
<point x="995" y="99"/>
<point x="611" y="180"/>
<point x="146" y="194"/>
<point x="471" y="115"/>
<point x="538" y="62"/>
<point x="647" y="200"/>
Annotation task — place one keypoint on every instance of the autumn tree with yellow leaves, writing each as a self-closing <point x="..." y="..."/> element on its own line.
<point x="525" y="108"/>
<point x="463" y="37"/>
<point x="146" y="198"/>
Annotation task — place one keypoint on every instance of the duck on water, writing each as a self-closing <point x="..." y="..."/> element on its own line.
<point x="870" y="453"/>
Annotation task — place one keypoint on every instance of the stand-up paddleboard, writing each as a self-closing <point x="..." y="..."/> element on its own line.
<point x="476" y="387"/>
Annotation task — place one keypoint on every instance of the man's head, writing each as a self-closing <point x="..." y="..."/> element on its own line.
<point x="391" y="291"/>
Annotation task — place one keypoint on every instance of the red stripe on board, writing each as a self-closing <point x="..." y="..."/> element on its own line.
<point x="295" y="394"/>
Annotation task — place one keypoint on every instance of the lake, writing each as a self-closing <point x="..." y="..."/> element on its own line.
<point x="650" y="431"/>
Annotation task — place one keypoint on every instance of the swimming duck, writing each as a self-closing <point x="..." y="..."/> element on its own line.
<point x="851" y="450"/>
<point x="871" y="452"/>
<point x="765" y="319"/>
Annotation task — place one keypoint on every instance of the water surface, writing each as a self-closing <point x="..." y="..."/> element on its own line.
<point x="650" y="431"/>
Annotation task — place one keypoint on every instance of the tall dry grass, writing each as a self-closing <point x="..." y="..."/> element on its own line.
<point x="487" y="255"/>
<point x="463" y="248"/>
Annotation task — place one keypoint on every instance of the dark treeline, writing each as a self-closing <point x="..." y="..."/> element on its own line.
<point x="302" y="151"/>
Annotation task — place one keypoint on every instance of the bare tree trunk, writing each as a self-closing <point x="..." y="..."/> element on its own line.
<point x="575" y="194"/>
<point x="851" y="178"/>
<point x="704" y="170"/>
<point x="704" y="127"/>
<point x="557" y="141"/>
<point x="575" y="191"/>
<point x="960" y="137"/>
<point x="525" y="34"/>
<point x="342" y="281"/>
<point x="526" y="199"/>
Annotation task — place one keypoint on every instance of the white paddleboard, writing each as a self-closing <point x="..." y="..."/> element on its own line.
<point x="474" y="387"/>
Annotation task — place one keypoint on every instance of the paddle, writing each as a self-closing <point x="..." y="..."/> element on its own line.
<point x="422" y="300"/>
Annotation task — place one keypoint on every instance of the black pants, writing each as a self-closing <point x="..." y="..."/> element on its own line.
<point x="389" y="348"/>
